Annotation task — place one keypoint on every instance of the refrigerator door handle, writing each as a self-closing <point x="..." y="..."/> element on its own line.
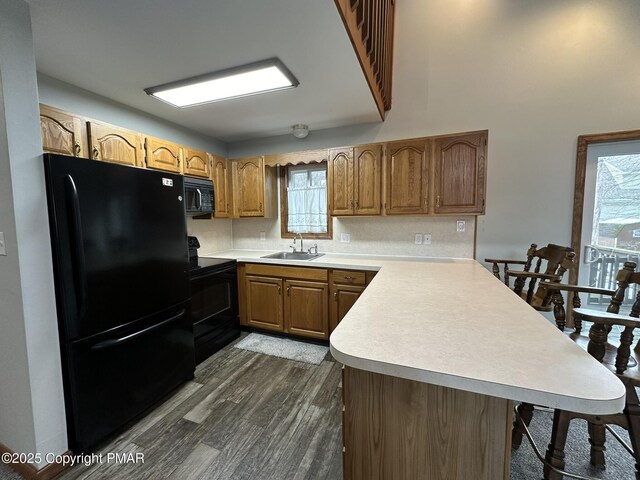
<point x="119" y="341"/>
<point x="75" y="224"/>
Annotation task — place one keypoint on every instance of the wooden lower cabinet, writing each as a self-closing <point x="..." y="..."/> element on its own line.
<point x="343" y="298"/>
<point x="306" y="308"/>
<point x="398" y="428"/>
<point x="264" y="303"/>
<point x="292" y="300"/>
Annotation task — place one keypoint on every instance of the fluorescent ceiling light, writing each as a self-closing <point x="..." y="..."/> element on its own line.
<point x="259" y="77"/>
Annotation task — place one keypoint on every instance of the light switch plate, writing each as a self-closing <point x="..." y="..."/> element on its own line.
<point x="418" y="240"/>
<point x="460" y="226"/>
<point x="263" y="236"/>
<point x="426" y="239"/>
<point x="3" y="250"/>
<point x="345" y="238"/>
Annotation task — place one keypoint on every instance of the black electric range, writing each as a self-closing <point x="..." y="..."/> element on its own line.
<point x="214" y="304"/>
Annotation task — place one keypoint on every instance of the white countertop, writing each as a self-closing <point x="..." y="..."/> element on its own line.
<point x="450" y="322"/>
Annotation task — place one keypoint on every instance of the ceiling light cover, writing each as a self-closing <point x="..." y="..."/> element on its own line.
<point x="260" y="77"/>
<point x="300" y="130"/>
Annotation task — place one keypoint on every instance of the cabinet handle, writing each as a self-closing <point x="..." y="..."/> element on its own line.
<point x="438" y="201"/>
<point x="260" y="206"/>
<point x="288" y="291"/>
<point x="77" y="148"/>
<point x="279" y="290"/>
<point x="335" y="296"/>
<point x="348" y="277"/>
<point x="96" y="152"/>
<point x="357" y="205"/>
<point x="351" y="203"/>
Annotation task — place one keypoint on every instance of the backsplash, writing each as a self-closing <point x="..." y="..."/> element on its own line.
<point x="368" y="235"/>
<point x="213" y="235"/>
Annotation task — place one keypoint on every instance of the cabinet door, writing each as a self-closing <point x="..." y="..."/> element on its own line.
<point x="116" y="145"/>
<point x="220" y="177"/>
<point x="406" y="180"/>
<point x="460" y="173"/>
<point x="367" y="174"/>
<point x="250" y="183"/>
<point x="306" y="308"/>
<point x="264" y="302"/>
<point x="62" y="132"/>
<point x="344" y="296"/>
<point x="163" y="155"/>
<point x="340" y="181"/>
<point x="196" y="163"/>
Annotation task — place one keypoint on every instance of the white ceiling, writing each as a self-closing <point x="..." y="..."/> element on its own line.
<point x="116" y="48"/>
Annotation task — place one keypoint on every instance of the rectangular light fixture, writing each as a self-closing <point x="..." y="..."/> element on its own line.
<point x="252" y="79"/>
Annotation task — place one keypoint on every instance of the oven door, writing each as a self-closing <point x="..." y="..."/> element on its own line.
<point x="214" y="311"/>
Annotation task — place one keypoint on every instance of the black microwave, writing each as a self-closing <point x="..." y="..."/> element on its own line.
<point x="198" y="196"/>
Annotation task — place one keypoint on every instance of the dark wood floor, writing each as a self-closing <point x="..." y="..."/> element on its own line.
<point x="245" y="416"/>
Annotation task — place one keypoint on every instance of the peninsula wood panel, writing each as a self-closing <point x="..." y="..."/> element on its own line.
<point x="221" y="182"/>
<point x="196" y="163"/>
<point x="459" y="179"/>
<point x="340" y="178"/>
<point x="367" y="179"/>
<point x="116" y="145"/>
<point x="306" y="309"/>
<point x="407" y="178"/>
<point x="62" y="132"/>
<point x="264" y="302"/>
<point x="397" y="428"/>
<point x="163" y="155"/>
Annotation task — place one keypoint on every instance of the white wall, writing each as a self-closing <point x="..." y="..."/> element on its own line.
<point x="214" y="235"/>
<point x="536" y="74"/>
<point x="56" y="93"/>
<point x="31" y="398"/>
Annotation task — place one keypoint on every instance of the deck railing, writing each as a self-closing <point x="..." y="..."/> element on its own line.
<point x="603" y="264"/>
<point x="369" y="24"/>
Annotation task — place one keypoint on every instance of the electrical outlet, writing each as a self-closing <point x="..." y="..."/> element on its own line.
<point x="3" y="250"/>
<point x="263" y="236"/>
<point x="418" y="240"/>
<point x="460" y="226"/>
<point x="345" y="238"/>
<point x="426" y="239"/>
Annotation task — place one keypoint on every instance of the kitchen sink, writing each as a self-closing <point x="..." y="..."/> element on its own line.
<point x="294" y="255"/>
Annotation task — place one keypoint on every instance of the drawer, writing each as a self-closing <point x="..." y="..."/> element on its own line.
<point x="349" y="277"/>
<point x="302" y="273"/>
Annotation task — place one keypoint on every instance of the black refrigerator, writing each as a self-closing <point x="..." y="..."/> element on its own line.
<point x="121" y="271"/>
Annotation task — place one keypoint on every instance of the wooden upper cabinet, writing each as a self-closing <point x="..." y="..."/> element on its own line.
<point x="407" y="177"/>
<point x="163" y="155"/>
<point x="196" y="163"/>
<point x="62" y="132"/>
<point x="254" y="188"/>
<point x="340" y="177"/>
<point x="367" y="177"/>
<point x="115" y="144"/>
<point x="221" y="182"/>
<point x="354" y="180"/>
<point x="459" y="178"/>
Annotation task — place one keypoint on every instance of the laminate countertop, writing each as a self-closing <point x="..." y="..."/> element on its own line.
<point x="450" y="322"/>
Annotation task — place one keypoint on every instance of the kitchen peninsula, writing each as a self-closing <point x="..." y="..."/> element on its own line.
<point x="435" y="352"/>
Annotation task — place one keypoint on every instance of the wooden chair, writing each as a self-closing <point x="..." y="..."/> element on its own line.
<point x="556" y="260"/>
<point x="616" y="354"/>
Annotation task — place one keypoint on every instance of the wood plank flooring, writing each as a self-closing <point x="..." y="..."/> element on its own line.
<point x="245" y="416"/>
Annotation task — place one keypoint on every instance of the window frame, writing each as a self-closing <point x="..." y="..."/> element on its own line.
<point x="283" y="177"/>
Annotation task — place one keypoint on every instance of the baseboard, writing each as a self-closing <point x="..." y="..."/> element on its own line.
<point x="29" y="472"/>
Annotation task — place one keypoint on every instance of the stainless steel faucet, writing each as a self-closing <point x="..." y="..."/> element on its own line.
<point x="298" y="235"/>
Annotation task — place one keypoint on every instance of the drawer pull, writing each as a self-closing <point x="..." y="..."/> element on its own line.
<point x="348" y="277"/>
